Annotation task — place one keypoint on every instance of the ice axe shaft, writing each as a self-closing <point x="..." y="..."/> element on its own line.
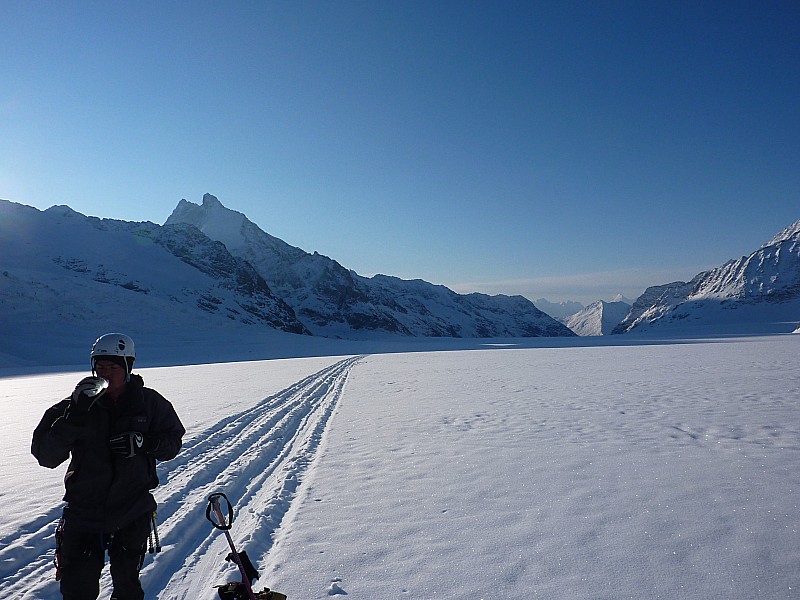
<point x="224" y="525"/>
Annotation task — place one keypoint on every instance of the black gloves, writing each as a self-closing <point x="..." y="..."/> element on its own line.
<point x="130" y="443"/>
<point x="86" y="393"/>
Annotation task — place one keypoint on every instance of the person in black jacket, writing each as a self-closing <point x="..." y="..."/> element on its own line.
<point x="113" y="429"/>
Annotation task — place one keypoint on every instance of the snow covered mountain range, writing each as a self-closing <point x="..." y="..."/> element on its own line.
<point x="64" y="274"/>
<point x="207" y="268"/>
<point x="333" y="301"/>
<point x="759" y="292"/>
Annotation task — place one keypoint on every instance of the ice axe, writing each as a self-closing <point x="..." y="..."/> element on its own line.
<point x="235" y="590"/>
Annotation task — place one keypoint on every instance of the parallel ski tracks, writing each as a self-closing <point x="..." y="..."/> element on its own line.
<point x="257" y="457"/>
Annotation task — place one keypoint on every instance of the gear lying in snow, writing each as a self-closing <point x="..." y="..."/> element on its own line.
<point x="236" y="590"/>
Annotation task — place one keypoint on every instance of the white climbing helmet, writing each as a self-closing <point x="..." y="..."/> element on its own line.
<point x="114" y="344"/>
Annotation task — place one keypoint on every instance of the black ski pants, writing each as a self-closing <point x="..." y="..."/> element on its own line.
<point x="83" y="555"/>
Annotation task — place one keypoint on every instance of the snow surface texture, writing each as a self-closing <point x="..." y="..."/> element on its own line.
<point x="629" y="470"/>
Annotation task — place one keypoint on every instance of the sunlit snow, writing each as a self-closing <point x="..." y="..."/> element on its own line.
<point x="615" y="469"/>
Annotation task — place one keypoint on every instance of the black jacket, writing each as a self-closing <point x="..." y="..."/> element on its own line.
<point x="105" y="491"/>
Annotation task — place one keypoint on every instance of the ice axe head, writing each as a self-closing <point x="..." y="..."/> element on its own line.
<point x="215" y="513"/>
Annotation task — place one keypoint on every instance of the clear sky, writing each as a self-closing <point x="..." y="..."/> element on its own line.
<point x="569" y="150"/>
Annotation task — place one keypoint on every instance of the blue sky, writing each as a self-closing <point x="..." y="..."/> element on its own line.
<point x="567" y="150"/>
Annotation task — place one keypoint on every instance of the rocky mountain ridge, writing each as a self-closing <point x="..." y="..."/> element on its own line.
<point x="762" y="288"/>
<point x="59" y="262"/>
<point x="336" y="302"/>
<point x="59" y="267"/>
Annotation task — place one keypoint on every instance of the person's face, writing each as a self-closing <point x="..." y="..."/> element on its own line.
<point x="113" y="373"/>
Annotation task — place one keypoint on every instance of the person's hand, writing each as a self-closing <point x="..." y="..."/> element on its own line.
<point x="129" y="444"/>
<point x="86" y="393"/>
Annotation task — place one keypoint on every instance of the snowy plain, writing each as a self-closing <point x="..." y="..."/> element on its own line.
<point x="602" y="468"/>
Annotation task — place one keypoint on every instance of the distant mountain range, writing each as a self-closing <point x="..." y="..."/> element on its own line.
<point x="758" y="293"/>
<point x="209" y="267"/>
<point x="333" y="301"/>
<point x="559" y="310"/>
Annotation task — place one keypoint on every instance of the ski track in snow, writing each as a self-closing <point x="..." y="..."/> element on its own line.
<point x="257" y="457"/>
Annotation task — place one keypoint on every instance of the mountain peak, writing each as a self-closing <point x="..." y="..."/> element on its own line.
<point x="209" y="200"/>
<point x="213" y="219"/>
<point x="334" y="301"/>
<point x="599" y="318"/>
<point x="790" y="233"/>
